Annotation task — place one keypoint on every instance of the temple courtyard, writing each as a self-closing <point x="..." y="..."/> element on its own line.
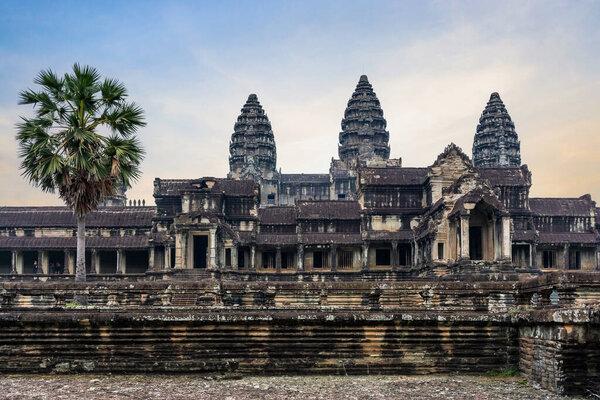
<point x="234" y="387"/>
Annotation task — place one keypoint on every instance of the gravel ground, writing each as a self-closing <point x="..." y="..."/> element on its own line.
<point x="167" y="387"/>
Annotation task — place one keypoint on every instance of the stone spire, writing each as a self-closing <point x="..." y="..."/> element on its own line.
<point x="496" y="143"/>
<point x="252" y="152"/>
<point x="363" y="133"/>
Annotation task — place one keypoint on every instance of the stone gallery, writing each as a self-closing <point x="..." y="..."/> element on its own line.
<point x="368" y="213"/>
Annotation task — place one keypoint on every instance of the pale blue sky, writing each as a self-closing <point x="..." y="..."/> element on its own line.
<point x="191" y="65"/>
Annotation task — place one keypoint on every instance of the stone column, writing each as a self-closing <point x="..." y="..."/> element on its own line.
<point x="506" y="244"/>
<point x="494" y="239"/>
<point x="44" y="262"/>
<point x="278" y="259"/>
<point x="300" y="255"/>
<point x="121" y="262"/>
<point x="66" y="262"/>
<point x="566" y="258"/>
<point x="365" y="256"/>
<point x="94" y="265"/>
<point x="253" y="257"/>
<point x="533" y="256"/>
<point x="212" y="244"/>
<point x="395" y="255"/>
<point x="13" y="262"/>
<point x="333" y="257"/>
<point x="234" y="257"/>
<point x="415" y="253"/>
<point x="167" y="262"/>
<point x="151" y="258"/>
<point x="464" y="237"/>
<point x="19" y="261"/>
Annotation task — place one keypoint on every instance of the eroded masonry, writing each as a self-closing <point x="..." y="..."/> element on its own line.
<point x="369" y="213"/>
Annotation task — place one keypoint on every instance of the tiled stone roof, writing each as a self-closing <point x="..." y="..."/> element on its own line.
<point x="568" y="237"/>
<point x="62" y="217"/>
<point x="328" y="209"/>
<point x="93" y="242"/>
<point x="510" y="176"/>
<point x="285" y="215"/>
<point x="563" y="207"/>
<point x="392" y="176"/>
<point x="304" y="178"/>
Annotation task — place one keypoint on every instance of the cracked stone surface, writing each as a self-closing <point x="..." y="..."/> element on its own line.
<point x="169" y="387"/>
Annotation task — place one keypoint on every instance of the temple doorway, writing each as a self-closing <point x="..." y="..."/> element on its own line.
<point x="200" y="250"/>
<point x="475" y="243"/>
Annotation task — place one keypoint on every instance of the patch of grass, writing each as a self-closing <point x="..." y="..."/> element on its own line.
<point x="504" y="373"/>
<point x="72" y="304"/>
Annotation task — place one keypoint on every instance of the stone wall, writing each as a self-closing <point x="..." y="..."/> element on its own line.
<point x="548" y="326"/>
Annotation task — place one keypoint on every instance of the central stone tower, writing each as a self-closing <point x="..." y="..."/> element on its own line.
<point x="363" y="135"/>
<point x="496" y="144"/>
<point x="252" y="152"/>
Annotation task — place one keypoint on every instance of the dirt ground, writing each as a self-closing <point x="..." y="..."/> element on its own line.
<point x="171" y="387"/>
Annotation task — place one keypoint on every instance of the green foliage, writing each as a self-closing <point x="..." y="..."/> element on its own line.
<point x="62" y="147"/>
<point x="511" y="371"/>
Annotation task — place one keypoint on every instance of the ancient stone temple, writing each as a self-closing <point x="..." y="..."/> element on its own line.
<point x="496" y="143"/>
<point x="367" y="215"/>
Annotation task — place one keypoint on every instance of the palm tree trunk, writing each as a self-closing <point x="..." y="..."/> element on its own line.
<point x="80" y="266"/>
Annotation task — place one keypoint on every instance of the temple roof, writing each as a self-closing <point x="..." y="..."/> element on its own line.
<point x="509" y="176"/>
<point x="229" y="187"/>
<point x="91" y="242"/>
<point x="364" y="132"/>
<point x="562" y="207"/>
<point x="304" y="178"/>
<point x="496" y="143"/>
<point x="328" y="209"/>
<point x="284" y="215"/>
<point x="393" y="176"/>
<point x="62" y="217"/>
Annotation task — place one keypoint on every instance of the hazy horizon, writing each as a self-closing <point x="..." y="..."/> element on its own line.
<point x="433" y="65"/>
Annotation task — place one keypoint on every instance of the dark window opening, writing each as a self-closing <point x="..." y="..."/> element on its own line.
<point x="200" y="250"/>
<point x="241" y="259"/>
<point x="56" y="261"/>
<point x="440" y="251"/>
<point x="403" y="256"/>
<point x="271" y="198"/>
<point x="268" y="259"/>
<point x="228" y="257"/>
<point x="344" y="260"/>
<point x="317" y="259"/>
<point x="341" y="196"/>
<point x="475" y="243"/>
<point x="136" y="261"/>
<point x="575" y="260"/>
<point x="287" y="259"/>
<point x="173" y="257"/>
<point x="5" y="262"/>
<point x="382" y="257"/>
<point x="548" y="259"/>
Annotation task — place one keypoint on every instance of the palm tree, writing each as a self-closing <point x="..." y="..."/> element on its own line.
<point x="81" y="141"/>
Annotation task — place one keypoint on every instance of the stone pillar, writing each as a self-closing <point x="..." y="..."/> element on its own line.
<point x="212" y="244"/>
<point x="566" y="258"/>
<point x="533" y="256"/>
<point x="395" y="255"/>
<point x="365" y="256"/>
<point x="494" y="239"/>
<point x="464" y="237"/>
<point x="167" y="263"/>
<point x="66" y="262"/>
<point x="43" y="262"/>
<point x="300" y="255"/>
<point x="506" y="244"/>
<point x="19" y="262"/>
<point x="278" y="259"/>
<point x="121" y="262"/>
<point x="234" y="257"/>
<point x="94" y="264"/>
<point x="13" y="262"/>
<point x="253" y="257"/>
<point x="415" y="253"/>
<point x="333" y="257"/>
<point x="151" y="258"/>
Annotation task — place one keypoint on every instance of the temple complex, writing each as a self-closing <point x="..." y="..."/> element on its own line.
<point x="368" y="215"/>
